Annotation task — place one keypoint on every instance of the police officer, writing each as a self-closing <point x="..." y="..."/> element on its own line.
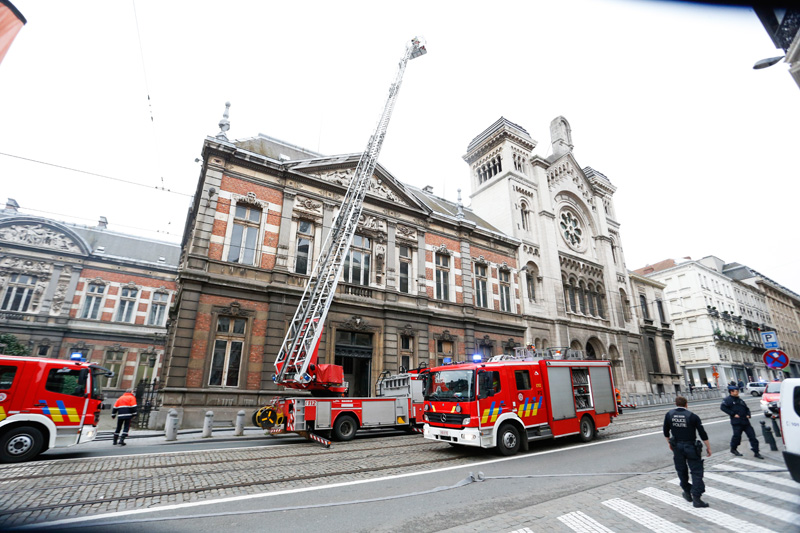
<point x="686" y="449"/>
<point x="737" y="409"/>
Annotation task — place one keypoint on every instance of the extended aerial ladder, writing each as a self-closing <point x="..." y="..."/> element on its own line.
<point x="296" y="365"/>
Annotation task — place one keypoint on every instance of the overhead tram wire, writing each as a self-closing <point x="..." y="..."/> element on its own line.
<point x="129" y="182"/>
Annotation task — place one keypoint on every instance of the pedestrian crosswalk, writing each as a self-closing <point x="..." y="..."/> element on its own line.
<point x="744" y="496"/>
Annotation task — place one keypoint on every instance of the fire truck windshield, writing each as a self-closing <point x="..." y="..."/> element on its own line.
<point x="451" y="386"/>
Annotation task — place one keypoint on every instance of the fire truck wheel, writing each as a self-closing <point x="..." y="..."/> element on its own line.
<point x="508" y="440"/>
<point x="345" y="428"/>
<point x="20" y="444"/>
<point x="587" y="429"/>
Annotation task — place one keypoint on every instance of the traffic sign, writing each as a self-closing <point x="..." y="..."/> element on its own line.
<point x="776" y="359"/>
<point x="770" y="339"/>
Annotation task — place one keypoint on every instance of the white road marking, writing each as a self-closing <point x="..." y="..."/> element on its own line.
<point x="186" y="505"/>
<point x="582" y="523"/>
<point x="768" y="478"/>
<point x="761" y="465"/>
<point x="523" y="530"/>
<point x="754" y="487"/>
<point x="643" y="517"/>
<point x="761" y="507"/>
<point x="712" y="515"/>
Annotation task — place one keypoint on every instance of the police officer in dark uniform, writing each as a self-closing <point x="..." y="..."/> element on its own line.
<point x="687" y="450"/>
<point x="735" y="407"/>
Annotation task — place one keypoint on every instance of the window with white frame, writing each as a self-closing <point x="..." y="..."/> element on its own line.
<point x="406" y="351"/>
<point x="357" y="263"/>
<point x="480" y="286"/>
<point x="305" y="247"/>
<point x="226" y="360"/>
<point x="158" y="308"/>
<point x="505" y="290"/>
<point x="94" y="297"/>
<point x="127" y="304"/>
<point x="244" y="236"/>
<point x="442" y="276"/>
<point x="404" y="252"/>
<point x="19" y="292"/>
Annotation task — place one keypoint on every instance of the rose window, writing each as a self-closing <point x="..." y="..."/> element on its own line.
<point x="571" y="229"/>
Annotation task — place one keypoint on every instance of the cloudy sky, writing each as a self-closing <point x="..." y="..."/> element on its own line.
<point x="661" y="97"/>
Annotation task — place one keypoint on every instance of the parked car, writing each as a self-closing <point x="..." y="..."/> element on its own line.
<point x="771" y="394"/>
<point x="756" y="388"/>
<point x="790" y="425"/>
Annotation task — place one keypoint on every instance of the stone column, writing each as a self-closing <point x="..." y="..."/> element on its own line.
<point x="421" y="279"/>
<point x="391" y="256"/>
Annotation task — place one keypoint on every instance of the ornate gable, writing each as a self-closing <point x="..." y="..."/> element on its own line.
<point x="28" y="231"/>
<point x="565" y="174"/>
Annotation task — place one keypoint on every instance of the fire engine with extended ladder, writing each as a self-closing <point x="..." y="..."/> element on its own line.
<point x="399" y="398"/>
<point x="512" y="400"/>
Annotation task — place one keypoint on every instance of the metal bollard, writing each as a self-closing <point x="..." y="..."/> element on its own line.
<point x="768" y="438"/>
<point x="208" y="423"/>
<point x="776" y="428"/>
<point x="171" y="427"/>
<point x="239" y="431"/>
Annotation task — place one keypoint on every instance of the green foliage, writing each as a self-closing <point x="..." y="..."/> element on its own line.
<point x="9" y="345"/>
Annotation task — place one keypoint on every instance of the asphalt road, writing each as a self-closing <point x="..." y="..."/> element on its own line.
<point x="390" y="483"/>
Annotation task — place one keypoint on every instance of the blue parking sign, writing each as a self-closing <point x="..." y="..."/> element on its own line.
<point x="770" y="339"/>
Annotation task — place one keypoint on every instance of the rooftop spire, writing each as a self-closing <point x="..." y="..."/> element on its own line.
<point x="224" y="124"/>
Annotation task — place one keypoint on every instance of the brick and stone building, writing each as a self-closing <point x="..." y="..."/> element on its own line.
<point x="536" y="259"/>
<point x="67" y="288"/>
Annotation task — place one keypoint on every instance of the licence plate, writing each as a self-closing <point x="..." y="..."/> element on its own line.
<point x="444" y="433"/>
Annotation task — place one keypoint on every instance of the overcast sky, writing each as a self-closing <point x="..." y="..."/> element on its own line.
<point x="661" y="97"/>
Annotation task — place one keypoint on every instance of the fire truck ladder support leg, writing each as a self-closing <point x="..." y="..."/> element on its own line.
<point x="316" y="438"/>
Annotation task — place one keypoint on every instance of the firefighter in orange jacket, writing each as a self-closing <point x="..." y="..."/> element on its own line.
<point x="619" y="400"/>
<point x="124" y="410"/>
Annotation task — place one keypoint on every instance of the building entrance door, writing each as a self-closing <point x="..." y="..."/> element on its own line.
<point x="353" y="352"/>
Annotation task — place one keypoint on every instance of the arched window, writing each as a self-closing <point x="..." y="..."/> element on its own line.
<point x="572" y="305"/>
<point x="524" y="215"/>
<point x="591" y="295"/>
<point x="582" y="297"/>
<point x="601" y="298"/>
<point x="653" y="354"/>
<point x="626" y="305"/>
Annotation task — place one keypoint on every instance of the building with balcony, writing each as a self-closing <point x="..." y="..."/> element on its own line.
<point x="714" y="341"/>
<point x="67" y="288"/>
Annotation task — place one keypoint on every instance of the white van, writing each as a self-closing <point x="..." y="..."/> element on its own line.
<point x="790" y="425"/>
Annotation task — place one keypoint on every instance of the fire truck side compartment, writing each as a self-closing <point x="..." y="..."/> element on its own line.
<point x="603" y="392"/>
<point x="560" y="388"/>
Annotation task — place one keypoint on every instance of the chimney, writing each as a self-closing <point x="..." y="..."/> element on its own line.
<point x="428" y="189"/>
<point x="102" y="223"/>
<point x="12" y="205"/>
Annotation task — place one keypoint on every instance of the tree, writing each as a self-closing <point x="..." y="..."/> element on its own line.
<point x="9" y="345"/>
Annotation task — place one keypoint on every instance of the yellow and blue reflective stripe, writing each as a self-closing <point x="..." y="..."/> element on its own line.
<point x="2" y="414"/>
<point x="530" y="407"/>
<point x="58" y="415"/>
<point x="491" y="412"/>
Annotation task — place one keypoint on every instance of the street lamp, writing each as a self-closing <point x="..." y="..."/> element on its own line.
<point x="764" y="63"/>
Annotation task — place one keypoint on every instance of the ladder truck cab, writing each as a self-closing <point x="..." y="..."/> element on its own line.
<point x="47" y="403"/>
<point x="512" y="400"/>
<point x="296" y="366"/>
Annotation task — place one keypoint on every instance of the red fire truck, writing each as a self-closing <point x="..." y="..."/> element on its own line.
<point x="512" y="400"/>
<point x="47" y="403"/>
<point x="398" y="405"/>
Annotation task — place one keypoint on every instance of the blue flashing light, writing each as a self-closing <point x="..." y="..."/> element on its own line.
<point x="476" y="358"/>
<point x="447" y="360"/>
<point x="76" y="356"/>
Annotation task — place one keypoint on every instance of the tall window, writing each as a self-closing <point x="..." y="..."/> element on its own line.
<point x="305" y="243"/>
<point x="653" y="354"/>
<point x="405" y="269"/>
<point x="442" y="277"/>
<point x="357" y="262"/>
<point x="19" y="292"/>
<point x="643" y="303"/>
<point x="228" y="347"/>
<point x="444" y="349"/>
<point x="480" y="286"/>
<point x="244" y="237"/>
<point x="590" y="295"/>
<point x="505" y="290"/>
<point x="582" y="297"/>
<point x="670" y="357"/>
<point x="525" y="216"/>
<point x="158" y="308"/>
<point x="599" y="301"/>
<point x="94" y="296"/>
<point x="114" y="361"/>
<point x="660" y="307"/>
<point x="530" y="285"/>
<point x="572" y="302"/>
<point x="406" y="351"/>
<point x="127" y="303"/>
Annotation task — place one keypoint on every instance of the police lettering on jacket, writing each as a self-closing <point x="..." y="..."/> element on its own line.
<point x="684" y="425"/>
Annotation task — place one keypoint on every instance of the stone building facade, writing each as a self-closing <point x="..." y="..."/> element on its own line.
<point x="66" y="288"/>
<point x="537" y="259"/>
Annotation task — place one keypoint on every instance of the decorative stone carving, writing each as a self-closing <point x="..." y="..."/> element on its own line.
<point x="530" y="249"/>
<point x="250" y="198"/>
<point x="307" y="204"/>
<point x="38" y="235"/>
<point x="61" y="291"/>
<point x="406" y="232"/>
<point x="408" y="331"/>
<point x="375" y="187"/>
<point x="443" y="250"/>
<point x="16" y="265"/>
<point x="235" y="309"/>
<point x="373" y="223"/>
<point x="356" y="323"/>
